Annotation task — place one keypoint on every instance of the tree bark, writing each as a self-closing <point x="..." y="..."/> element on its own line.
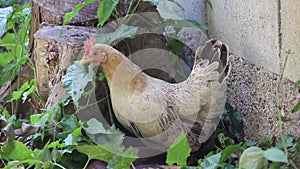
<point x="54" y="54"/>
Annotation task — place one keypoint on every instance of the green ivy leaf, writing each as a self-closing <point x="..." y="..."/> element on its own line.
<point x="44" y="155"/>
<point x="225" y="141"/>
<point x="26" y="89"/>
<point x="289" y="142"/>
<point x="74" y="137"/>
<point x="69" y="124"/>
<point x="57" y="144"/>
<point x="76" y="79"/>
<point x="229" y="150"/>
<point x="179" y="151"/>
<point x="169" y="10"/>
<point x="19" y="164"/>
<point x="95" y="127"/>
<point x="8" y="41"/>
<point x="42" y="120"/>
<point x="275" y="155"/>
<point x="297" y="85"/>
<point x="71" y="15"/>
<point x="253" y="157"/>
<point x="175" y="46"/>
<point x="17" y="94"/>
<point x="124" y="160"/>
<point x="101" y="76"/>
<point x="121" y="32"/>
<point x="296" y="107"/>
<point x="32" y="88"/>
<point x="34" y="118"/>
<point x="16" y="150"/>
<point x="210" y="161"/>
<point x="235" y="118"/>
<point x="111" y="137"/>
<point x="104" y="10"/>
<point x="5" y="58"/>
<point x="96" y="152"/>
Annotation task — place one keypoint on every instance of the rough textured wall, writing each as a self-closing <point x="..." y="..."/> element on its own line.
<point x="249" y="27"/>
<point x="257" y="32"/>
<point x="290" y="35"/>
<point x="194" y="10"/>
<point x="251" y="89"/>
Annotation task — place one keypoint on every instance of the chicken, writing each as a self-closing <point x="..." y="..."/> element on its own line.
<point x="160" y="111"/>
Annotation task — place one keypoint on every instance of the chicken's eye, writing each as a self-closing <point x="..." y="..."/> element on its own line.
<point x="94" y="53"/>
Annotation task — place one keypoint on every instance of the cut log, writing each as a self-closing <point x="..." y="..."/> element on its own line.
<point x="53" y="55"/>
<point x="53" y="11"/>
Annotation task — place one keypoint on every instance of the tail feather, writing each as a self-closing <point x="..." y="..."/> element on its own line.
<point x="214" y="51"/>
<point x="216" y="54"/>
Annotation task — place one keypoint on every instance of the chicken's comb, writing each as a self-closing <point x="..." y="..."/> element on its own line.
<point x="88" y="44"/>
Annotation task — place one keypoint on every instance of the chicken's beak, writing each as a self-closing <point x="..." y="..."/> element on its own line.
<point x="86" y="60"/>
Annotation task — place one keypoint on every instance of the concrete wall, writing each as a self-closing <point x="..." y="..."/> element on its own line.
<point x="257" y="33"/>
<point x="290" y="35"/>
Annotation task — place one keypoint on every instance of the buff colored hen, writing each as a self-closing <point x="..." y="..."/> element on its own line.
<point x="160" y="111"/>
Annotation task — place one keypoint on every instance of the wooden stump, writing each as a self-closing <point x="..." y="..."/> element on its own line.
<point x="53" y="12"/>
<point x="53" y="55"/>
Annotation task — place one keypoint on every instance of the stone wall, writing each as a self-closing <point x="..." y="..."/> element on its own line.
<point x="257" y="33"/>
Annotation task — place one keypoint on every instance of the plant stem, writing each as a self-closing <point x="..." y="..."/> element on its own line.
<point x="58" y="165"/>
<point x="87" y="163"/>
<point x="134" y="9"/>
<point x="108" y="105"/>
<point x="278" y="105"/>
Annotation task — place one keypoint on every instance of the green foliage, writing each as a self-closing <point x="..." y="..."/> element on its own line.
<point x="105" y="9"/>
<point x="288" y="142"/>
<point x="234" y="117"/>
<point x="70" y="144"/>
<point x="254" y="158"/>
<point x="179" y="151"/>
<point x="95" y="152"/>
<point x="297" y="106"/>
<point x="275" y="155"/>
<point x="225" y="141"/>
<point x="15" y="54"/>
<point x="213" y="160"/>
<point x="76" y="80"/>
<point x="210" y="161"/>
<point x="71" y="15"/>
<point x="121" y="32"/>
<point x="175" y="46"/>
<point x="111" y="137"/>
<point x="124" y="160"/>
<point x="229" y="150"/>
<point x="24" y="91"/>
<point x="16" y="150"/>
<point x="109" y="146"/>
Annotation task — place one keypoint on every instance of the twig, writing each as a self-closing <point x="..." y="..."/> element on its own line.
<point x="278" y="102"/>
